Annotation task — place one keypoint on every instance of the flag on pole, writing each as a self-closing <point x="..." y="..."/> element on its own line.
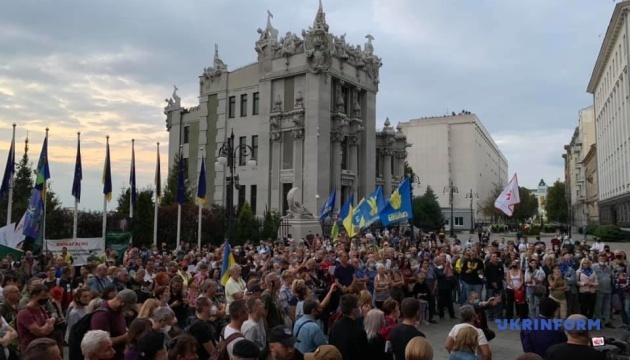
<point x="9" y="171"/>
<point x="43" y="172"/>
<point x="201" y="184"/>
<point x="181" y="186"/>
<point x="132" y="176"/>
<point x="374" y="204"/>
<point x="335" y="231"/>
<point x="107" y="175"/>
<point x="228" y="261"/>
<point x="158" y="177"/>
<point x="328" y="205"/>
<point x="357" y="220"/>
<point x="34" y="215"/>
<point x="509" y="197"/>
<point x="78" y="174"/>
<point x="398" y="208"/>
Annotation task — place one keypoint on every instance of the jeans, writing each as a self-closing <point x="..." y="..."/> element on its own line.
<point x="587" y="304"/>
<point x="532" y="301"/>
<point x="626" y="307"/>
<point x="468" y="288"/>
<point x="602" y="306"/>
<point x="495" y="311"/>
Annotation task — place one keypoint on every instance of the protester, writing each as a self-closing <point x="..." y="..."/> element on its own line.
<point x="538" y="341"/>
<point x="577" y="346"/>
<point x="97" y="345"/>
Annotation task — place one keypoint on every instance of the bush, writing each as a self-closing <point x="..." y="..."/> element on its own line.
<point x="532" y="231"/>
<point x="609" y="233"/>
<point x="590" y="229"/>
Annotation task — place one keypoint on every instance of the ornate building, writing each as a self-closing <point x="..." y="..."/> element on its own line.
<point x="306" y="109"/>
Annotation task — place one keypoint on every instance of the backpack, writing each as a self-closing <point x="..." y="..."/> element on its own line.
<point x="222" y="348"/>
<point x="78" y="331"/>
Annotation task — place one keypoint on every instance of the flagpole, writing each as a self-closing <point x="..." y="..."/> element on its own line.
<point x="44" y="199"/>
<point x="179" y="224"/>
<point x="130" y="190"/>
<point x="105" y="201"/>
<point x="11" y="182"/>
<point x="75" y="223"/>
<point x="179" y="204"/>
<point x="155" y="209"/>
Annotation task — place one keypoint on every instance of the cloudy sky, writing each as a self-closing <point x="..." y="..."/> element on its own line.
<point x="103" y="67"/>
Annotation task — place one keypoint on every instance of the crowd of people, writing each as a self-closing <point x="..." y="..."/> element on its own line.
<point x="361" y="298"/>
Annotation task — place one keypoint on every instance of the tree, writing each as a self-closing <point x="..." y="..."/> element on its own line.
<point x="169" y="195"/>
<point x="58" y="222"/>
<point x="408" y="170"/>
<point x="556" y="203"/>
<point x="271" y="223"/>
<point x="247" y="225"/>
<point x="427" y="214"/>
<point x="142" y="224"/>
<point x="528" y="206"/>
<point x="487" y="206"/>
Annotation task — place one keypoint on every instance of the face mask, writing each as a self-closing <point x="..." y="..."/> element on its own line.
<point x="42" y="301"/>
<point x="476" y="302"/>
<point x="166" y="299"/>
<point x="167" y="328"/>
<point x="440" y="266"/>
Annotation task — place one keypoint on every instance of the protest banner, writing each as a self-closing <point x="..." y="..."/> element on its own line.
<point x="80" y="249"/>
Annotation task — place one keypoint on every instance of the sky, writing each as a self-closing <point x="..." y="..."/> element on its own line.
<point x="105" y="68"/>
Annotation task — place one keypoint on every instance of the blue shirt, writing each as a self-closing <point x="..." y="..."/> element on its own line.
<point x="310" y="335"/>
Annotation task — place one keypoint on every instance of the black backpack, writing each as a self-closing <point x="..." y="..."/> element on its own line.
<point x="78" y="331"/>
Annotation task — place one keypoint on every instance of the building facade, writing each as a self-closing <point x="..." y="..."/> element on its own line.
<point x="305" y="111"/>
<point x="610" y="87"/>
<point x="590" y="167"/>
<point x="541" y="194"/>
<point x="456" y="151"/>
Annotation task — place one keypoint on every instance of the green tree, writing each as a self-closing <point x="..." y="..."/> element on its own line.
<point x="22" y="188"/>
<point x="58" y="221"/>
<point x="246" y="225"/>
<point x="142" y="224"/>
<point x="556" y="203"/>
<point x="270" y="225"/>
<point x="169" y="195"/>
<point x="427" y="214"/>
<point x="408" y="170"/>
<point x="487" y="206"/>
<point x="528" y="206"/>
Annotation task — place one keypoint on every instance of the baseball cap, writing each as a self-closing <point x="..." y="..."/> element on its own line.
<point x="324" y="352"/>
<point x="245" y="349"/>
<point x="254" y="289"/>
<point x="281" y="334"/>
<point x="128" y="296"/>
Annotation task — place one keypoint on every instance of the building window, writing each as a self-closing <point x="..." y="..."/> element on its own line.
<point x="243" y="105"/>
<point x="255" y="147"/>
<point x="242" y="148"/>
<point x="344" y="154"/>
<point x="186" y="134"/>
<point x="287" y="150"/>
<point x="256" y="104"/>
<point x="241" y="197"/>
<point x="286" y="187"/>
<point x="252" y="197"/>
<point x="232" y="107"/>
<point x="459" y="221"/>
<point x="185" y="168"/>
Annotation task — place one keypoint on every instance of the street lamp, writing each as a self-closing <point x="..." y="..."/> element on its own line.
<point x="414" y="181"/>
<point x="451" y="190"/>
<point x="227" y="156"/>
<point x="471" y="195"/>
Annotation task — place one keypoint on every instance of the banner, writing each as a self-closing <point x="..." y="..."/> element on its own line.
<point x="11" y="236"/>
<point x="4" y="251"/>
<point x="80" y="249"/>
<point x="118" y="242"/>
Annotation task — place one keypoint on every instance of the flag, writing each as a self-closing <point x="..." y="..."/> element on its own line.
<point x="9" y="171"/>
<point x="78" y="174"/>
<point x="201" y="184"/>
<point x="328" y="205"/>
<point x="398" y="207"/>
<point x="228" y="261"/>
<point x="509" y="197"/>
<point x="181" y="187"/>
<point x="132" y="176"/>
<point x="371" y="207"/>
<point x="158" y="178"/>
<point x="357" y="219"/>
<point x="346" y="208"/>
<point x="43" y="172"/>
<point x="34" y="215"/>
<point x="107" y="175"/>
<point x="335" y="232"/>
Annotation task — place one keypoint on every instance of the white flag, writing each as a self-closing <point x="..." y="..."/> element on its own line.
<point x="509" y="197"/>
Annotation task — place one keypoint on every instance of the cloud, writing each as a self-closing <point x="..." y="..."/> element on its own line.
<point x="103" y="68"/>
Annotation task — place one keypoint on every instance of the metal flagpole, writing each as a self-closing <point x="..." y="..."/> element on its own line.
<point x="105" y="201"/>
<point x="44" y="199"/>
<point x="133" y="160"/>
<point x="75" y="223"/>
<point x="12" y="181"/>
<point x="179" y="224"/>
<point x="157" y="191"/>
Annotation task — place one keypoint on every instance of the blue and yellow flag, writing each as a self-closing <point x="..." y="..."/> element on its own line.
<point x="359" y="218"/>
<point x="328" y="206"/>
<point x="399" y="207"/>
<point x="228" y="261"/>
<point x="9" y="171"/>
<point x="373" y="205"/>
<point x="43" y="171"/>
<point x="201" y="184"/>
<point x="107" y="175"/>
<point x="78" y="173"/>
<point x="334" y="234"/>
<point x="346" y="208"/>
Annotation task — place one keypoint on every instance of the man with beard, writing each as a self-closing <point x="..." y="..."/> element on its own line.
<point x="110" y="317"/>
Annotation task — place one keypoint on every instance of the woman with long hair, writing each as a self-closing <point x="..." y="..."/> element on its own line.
<point x="419" y="348"/>
<point x="146" y="311"/>
<point x="515" y="292"/>
<point x="138" y="328"/>
<point x="557" y="288"/>
<point x="78" y="309"/>
<point x="178" y="301"/>
<point x="373" y="323"/>
<point x="587" y="282"/>
<point x="382" y="286"/>
<point x="466" y="345"/>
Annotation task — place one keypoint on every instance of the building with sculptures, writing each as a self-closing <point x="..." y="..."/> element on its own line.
<point x="307" y="110"/>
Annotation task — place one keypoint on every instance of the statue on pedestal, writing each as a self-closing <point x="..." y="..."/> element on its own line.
<point x="296" y="210"/>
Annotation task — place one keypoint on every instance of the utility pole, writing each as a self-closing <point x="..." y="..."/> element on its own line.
<point x="472" y="195"/>
<point x="451" y="190"/>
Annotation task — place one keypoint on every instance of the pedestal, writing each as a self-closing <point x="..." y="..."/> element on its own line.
<point x="300" y="228"/>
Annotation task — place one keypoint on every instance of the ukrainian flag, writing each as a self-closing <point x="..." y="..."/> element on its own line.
<point x="357" y="221"/>
<point x="228" y="261"/>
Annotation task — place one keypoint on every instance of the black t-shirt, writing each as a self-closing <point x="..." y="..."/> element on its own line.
<point x="400" y="336"/>
<point x="203" y="332"/>
<point x="345" y="274"/>
<point x="574" y="352"/>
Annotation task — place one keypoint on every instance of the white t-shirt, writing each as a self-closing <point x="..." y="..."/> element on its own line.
<point x="481" y="338"/>
<point x="226" y="334"/>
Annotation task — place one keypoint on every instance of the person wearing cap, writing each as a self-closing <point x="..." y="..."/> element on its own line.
<point x="112" y="319"/>
<point x="281" y="344"/>
<point x="245" y="350"/>
<point x="324" y="352"/>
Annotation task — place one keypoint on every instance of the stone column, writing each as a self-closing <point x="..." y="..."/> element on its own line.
<point x="336" y="137"/>
<point x="387" y="170"/>
<point x="298" y="144"/>
<point x="276" y="191"/>
<point x="353" y="144"/>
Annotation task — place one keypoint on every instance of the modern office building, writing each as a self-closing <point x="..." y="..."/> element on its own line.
<point x="610" y="87"/>
<point x="456" y="152"/>
<point x="305" y="111"/>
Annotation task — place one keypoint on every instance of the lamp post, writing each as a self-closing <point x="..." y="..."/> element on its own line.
<point x="472" y="195"/>
<point x="451" y="189"/>
<point x="227" y="157"/>
<point x="414" y="181"/>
